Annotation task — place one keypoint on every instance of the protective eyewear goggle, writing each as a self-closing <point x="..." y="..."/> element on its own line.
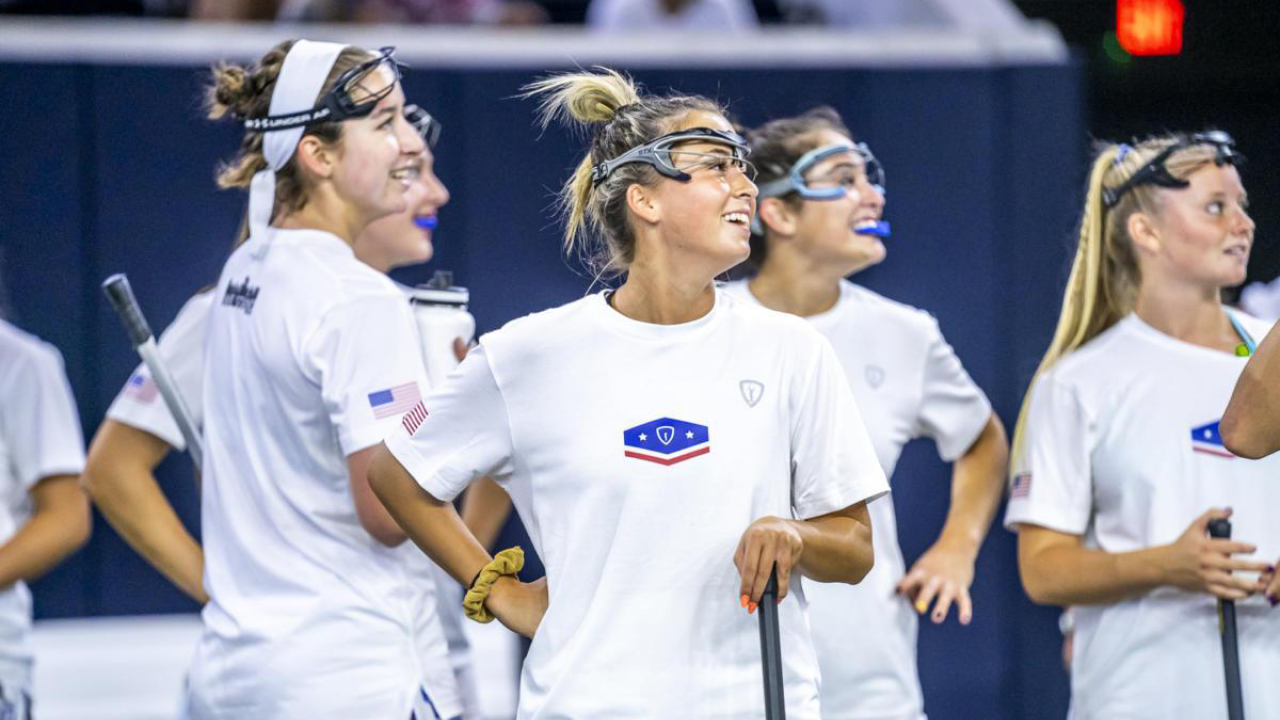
<point x="658" y="153"/>
<point x="1155" y="172"/>
<point x="428" y="127"/>
<point x="348" y="98"/>
<point x="795" y="182"/>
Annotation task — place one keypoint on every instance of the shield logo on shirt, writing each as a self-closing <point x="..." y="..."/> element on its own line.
<point x="875" y="375"/>
<point x="1207" y="439"/>
<point x="666" y="441"/>
<point x="752" y="391"/>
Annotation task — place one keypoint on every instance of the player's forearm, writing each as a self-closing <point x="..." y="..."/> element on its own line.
<point x="146" y="520"/>
<point x="977" y="484"/>
<point x="1251" y="425"/>
<point x="119" y="477"/>
<point x="1076" y="575"/>
<point x="370" y="512"/>
<point x="485" y="509"/>
<point x="432" y="524"/>
<point x="837" y="547"/>
<point x="58" y="527"/>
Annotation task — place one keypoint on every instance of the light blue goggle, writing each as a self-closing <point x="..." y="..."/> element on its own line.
<point x="795" y="182"/>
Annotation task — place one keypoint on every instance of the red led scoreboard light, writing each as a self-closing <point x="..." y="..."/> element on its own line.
<point x="1150" y="27"/>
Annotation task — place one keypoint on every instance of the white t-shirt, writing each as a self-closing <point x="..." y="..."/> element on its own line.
<point x="648" y="15"/>
<point x="637" y="455"/>
<point x="40" y="437"/>
<point x="908" y="383"/>
<point x="1122" y="447"/>
<point x="311" y="356"/>
<point x="140" y="405"/>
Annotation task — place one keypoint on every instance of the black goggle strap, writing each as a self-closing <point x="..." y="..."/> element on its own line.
<point x="337" y="104"/>
<point x="428" y="127"/>
<point x="872" y="167"/>
<point x="658" y="152"/>
<point x="340" y="97"/>
<point x="284" y="122"/>
<point x="1155" y="172"/>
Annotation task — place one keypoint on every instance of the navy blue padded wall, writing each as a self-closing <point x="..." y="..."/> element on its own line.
<point x="984" y="169"/>
<point x="45" y="199"/>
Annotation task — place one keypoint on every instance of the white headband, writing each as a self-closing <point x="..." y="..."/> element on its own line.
<point x="301" y="78"/>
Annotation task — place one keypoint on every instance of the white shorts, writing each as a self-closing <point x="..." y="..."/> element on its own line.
<point x="15" y="704"/>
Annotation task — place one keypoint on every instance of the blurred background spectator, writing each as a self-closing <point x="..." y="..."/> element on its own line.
<point x="446" y="12"/>
<point x="610" y="14"/>
<point x="452" y="12"/>
<point x="643" y="15"/>
<point x="900" y="13"/>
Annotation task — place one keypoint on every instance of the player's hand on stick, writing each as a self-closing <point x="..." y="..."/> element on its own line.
<point x="1199" y="563"/>
<point x="518" y="605"/>
<point x="766" y="542"/>
<point x="941" y="577"/>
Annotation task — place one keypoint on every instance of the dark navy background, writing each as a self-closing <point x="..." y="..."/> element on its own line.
<point x="110" y="169"/>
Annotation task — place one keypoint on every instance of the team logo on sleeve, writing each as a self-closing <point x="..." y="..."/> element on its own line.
<point x="1208" y="440"/>
<point x="141" y="387"/>
<point x="666" y="441"/>
<point x="394" y="401"/>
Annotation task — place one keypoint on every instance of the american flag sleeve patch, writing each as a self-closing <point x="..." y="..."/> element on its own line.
<point x="394" y="401"/>
<point x="1021" y="485"/>
<point x="413" y="419"/>
<point x="141" y="387"/>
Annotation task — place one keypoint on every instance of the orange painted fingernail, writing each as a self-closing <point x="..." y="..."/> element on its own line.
<point x="751" y="608"/>
<point x="921" y="606"/>
<point x="745" y="600"/>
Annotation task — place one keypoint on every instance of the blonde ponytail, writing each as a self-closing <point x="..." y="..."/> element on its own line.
<point x="1104" y="280"/>
<point x="577" y="100"/>
<point x="1087" y="306"/>
<point x="609" y="106"/>
<point x="582" y="97"/>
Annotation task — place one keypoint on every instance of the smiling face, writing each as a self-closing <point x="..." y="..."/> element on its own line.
<point x="404" y="238"/>
<point x="1202" y="234"/>
<point x="708" y="217"/>
<point x="826" y="230"/>
<point x="380" y="155"/>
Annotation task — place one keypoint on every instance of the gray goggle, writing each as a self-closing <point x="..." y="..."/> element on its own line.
<point x="348" y="98"/>
<point x="657" y="153"/>
<point x="795" y="182"/>
<point x="428" y="127"/>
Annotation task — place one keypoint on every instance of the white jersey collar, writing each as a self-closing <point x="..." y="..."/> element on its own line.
<point x="618" y="322"/>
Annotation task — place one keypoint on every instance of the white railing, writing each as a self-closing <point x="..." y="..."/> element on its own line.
<point x="177" y="42"/>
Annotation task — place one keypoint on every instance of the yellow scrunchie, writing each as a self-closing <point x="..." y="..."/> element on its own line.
<point x="507" y="562"/>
